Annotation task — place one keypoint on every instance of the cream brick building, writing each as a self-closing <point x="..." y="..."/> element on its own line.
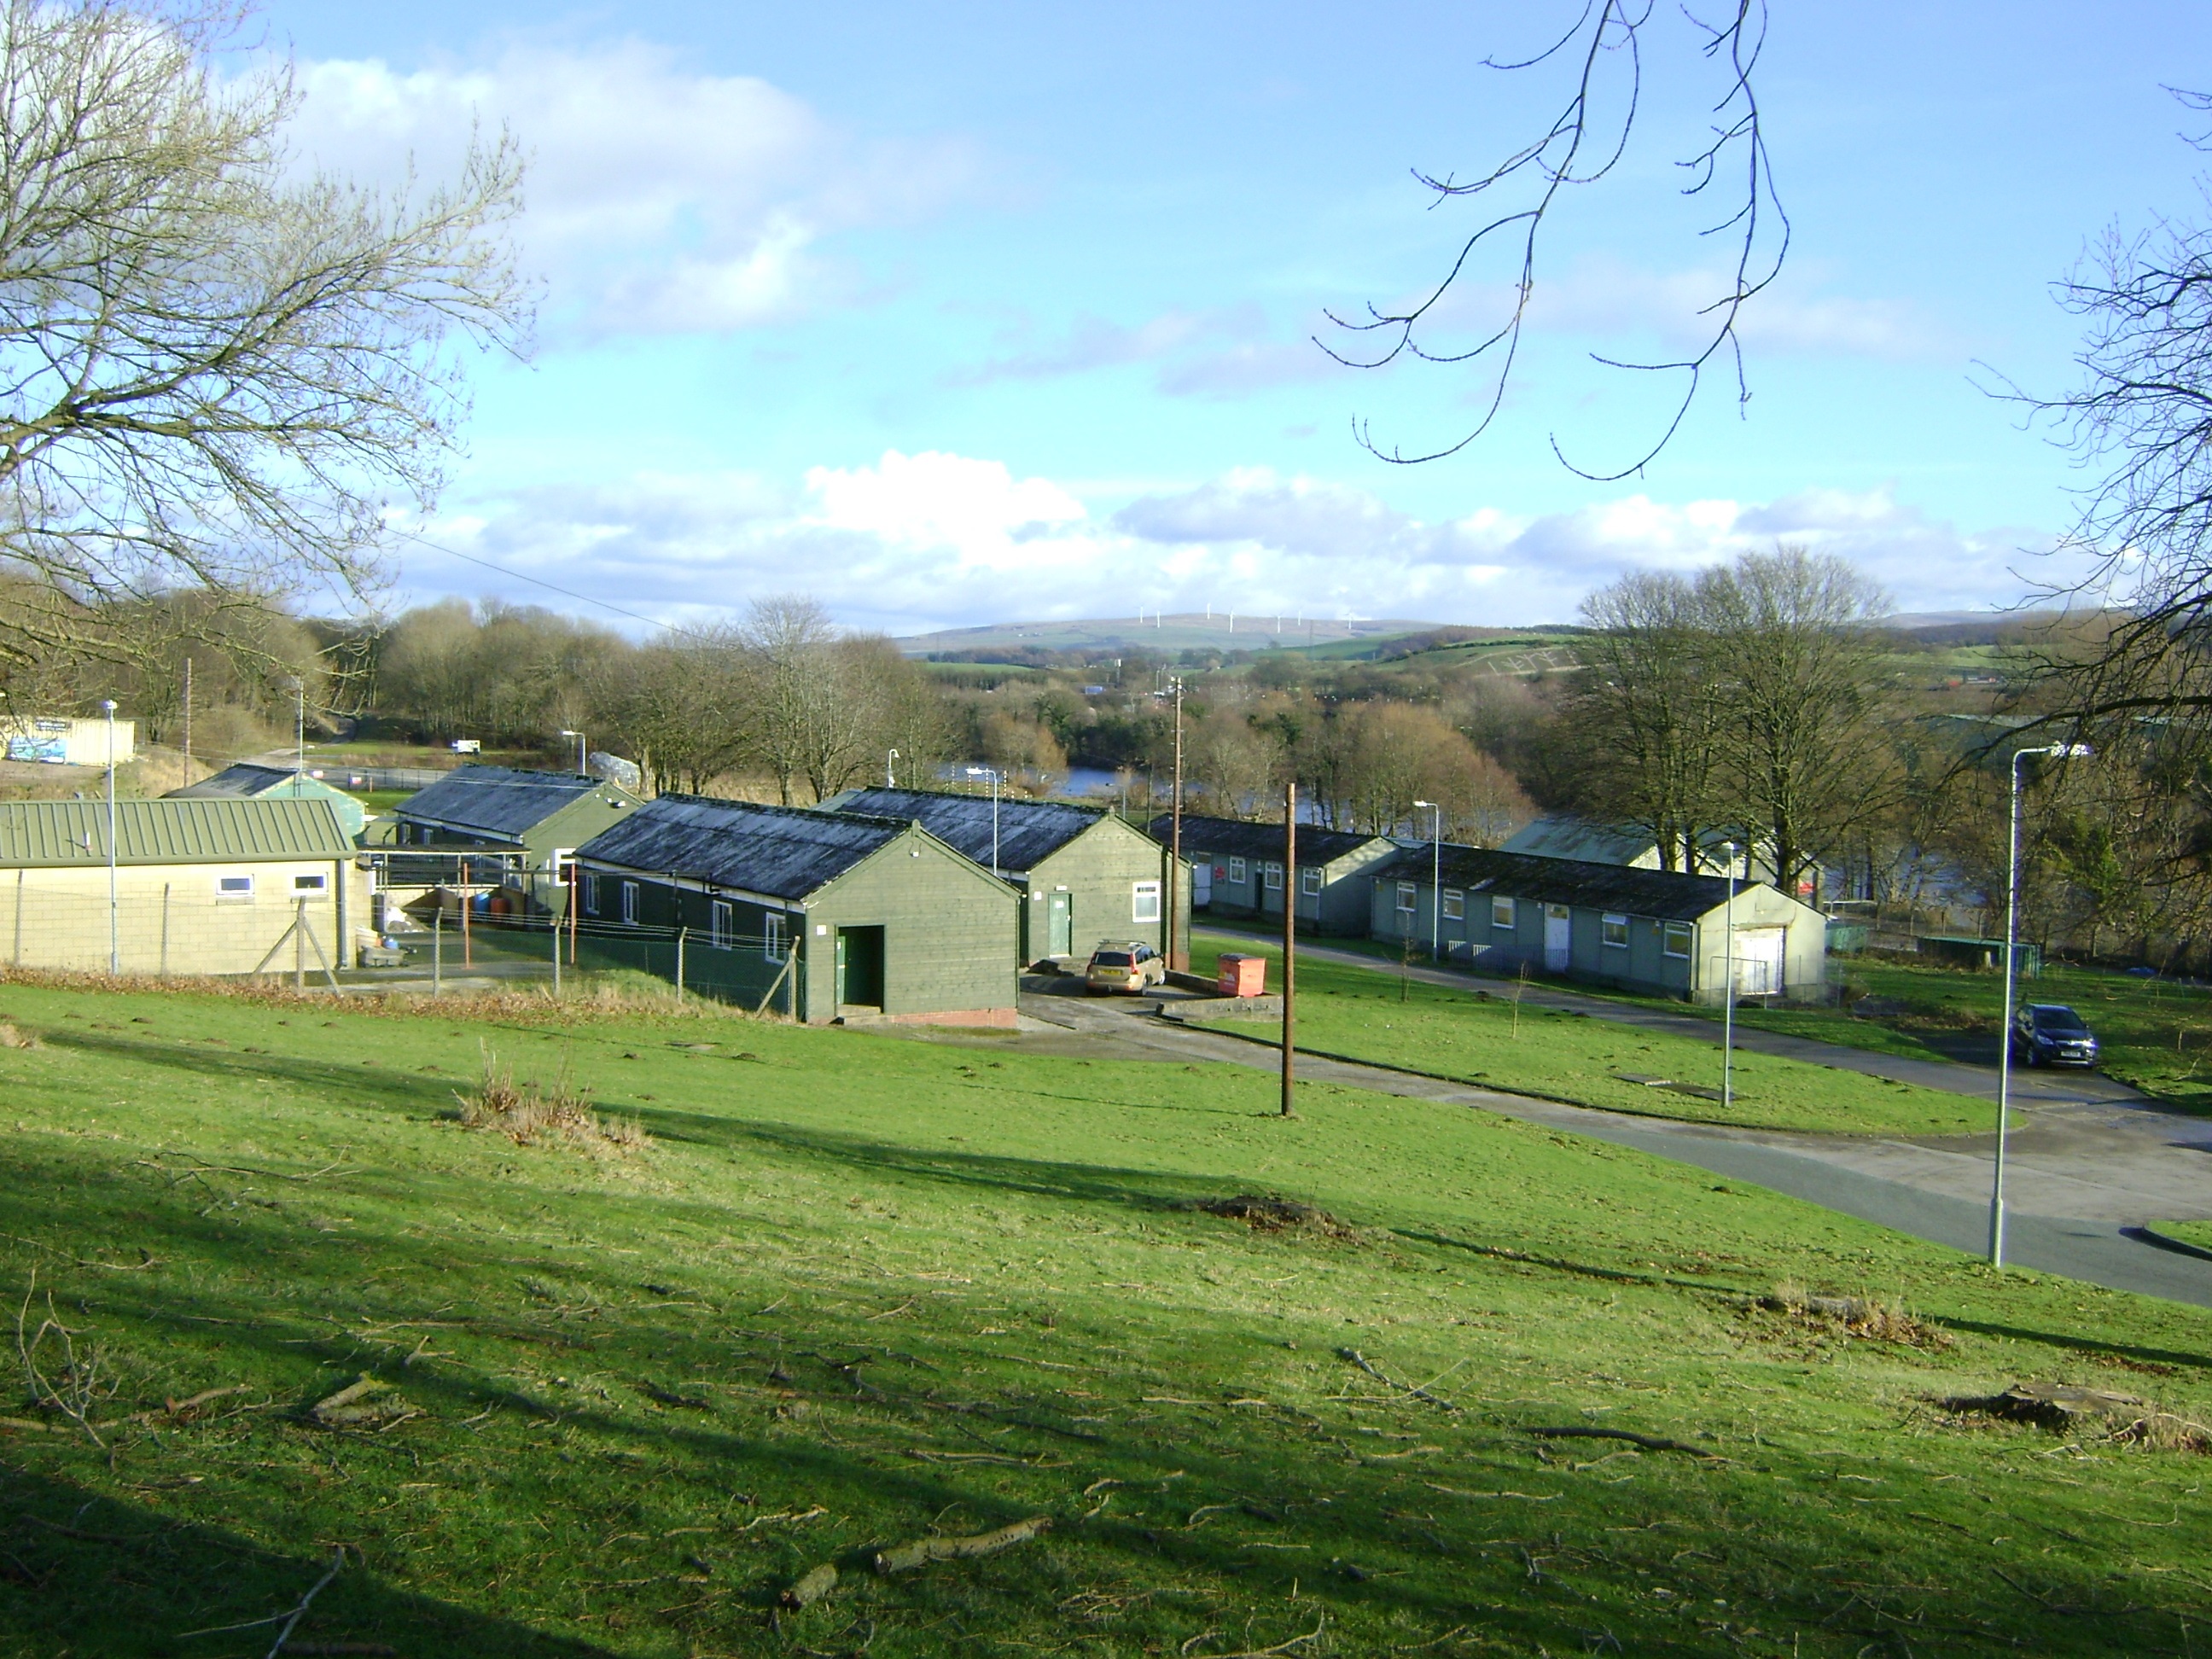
<point x="201" y="886"/>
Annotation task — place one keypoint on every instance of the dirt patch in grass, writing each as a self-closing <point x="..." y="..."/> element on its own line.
<point x="1271" y="1214"/>
<point x="527" y="1113"/>
<point x="1854" y="1316"/>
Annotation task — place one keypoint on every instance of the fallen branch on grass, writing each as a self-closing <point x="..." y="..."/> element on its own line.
<point x="1313" y="1635"/>
<point x="904" y="1558"/>
<point x="178" y="1407"/>
<point x="289" y="1619"/>
<point x="1383" y="1376"/>
<point x="811" y="1589"/>
<point x="1647" y="1442"/>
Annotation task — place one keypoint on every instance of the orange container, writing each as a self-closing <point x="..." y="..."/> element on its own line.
<point x="1243" y="976"/>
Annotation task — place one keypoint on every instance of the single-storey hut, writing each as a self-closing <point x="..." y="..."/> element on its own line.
<point x="1085" y="874"/>
<point x="1654" y="931"/>
<point x="249" y="781"/>
<point x="821" y="915"/>
<point x="1237" y="869"/>
<point x="527" y="825"/>
<point x="200" y="887"/>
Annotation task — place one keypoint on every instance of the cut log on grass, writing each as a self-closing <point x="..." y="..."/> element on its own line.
<point x="351" y="1407"/>
<point x="811" y="1589"/>
<point x="904" y="1558"/>
<point x="1647" y="1442"/>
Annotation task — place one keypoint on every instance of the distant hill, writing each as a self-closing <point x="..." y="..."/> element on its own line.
<point x="1176" y="632"/>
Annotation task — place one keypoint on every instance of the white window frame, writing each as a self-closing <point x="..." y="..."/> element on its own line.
<point x="318" y="882"/>
<point x="233" y="889"/>
<point x="1237" y="872"/>
<point x="591" y="892"/>
<point x="1271" y="876"/>
<point x="775" y="943"/>
<point x="722" y="925"/>
<point x="1310" y="881"/>
<point x="1409" y="897"/>
<point x="1454" y="904"/>
<point x="1503" y="914"/>
<point x="1607" y="925"/>
<point x="1672" y="931"/>
<point x="1143" y="900"/>
<point x="629" y="904"/>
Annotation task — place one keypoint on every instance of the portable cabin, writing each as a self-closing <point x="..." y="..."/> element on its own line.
<point x="249" y="781"/>
<point x="1238" y="870"/>
<point x="818" y="915"/>
<point x="530" y="822"/>
<point x="1085" y="874"/>
<point x="1655" y="930"/>
<point x="199" y="886"/>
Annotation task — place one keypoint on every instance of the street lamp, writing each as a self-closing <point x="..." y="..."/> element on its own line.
<point x="582" y="770"/>
<point x="1727" y="991"/>
<point x="890" y="770"/>
<point x="2064" y="751"/>
<point x="1435" y="878"/>
<point x="987" y="772"/>
<point x="114" y="926"/>
<point x="1178" y="951"/>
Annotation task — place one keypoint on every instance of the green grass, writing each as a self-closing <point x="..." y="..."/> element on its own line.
<point x="1475" y="1035"/>
<point x="381" y="800"/>
<point x="2198" y="1233"/>
<point x="859" y="1289"/>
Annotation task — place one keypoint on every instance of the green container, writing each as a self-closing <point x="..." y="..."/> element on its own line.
<point x="1958" y="951"/>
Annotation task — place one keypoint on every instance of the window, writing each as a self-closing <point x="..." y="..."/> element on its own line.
<point x="314" y="884"/>
<point x="1310" y="881"/>
<point x="1236" y="872"/>
<point x="1409" y="895"/>
<point x="1674" y="939"/>
<point x="1144" y="901"/>
<point x="591" y="892"/>
<point x="1501" y="913"/>
<point x="723" y="925"/>
<point x="1454" y="904"/>
<point x="773" y="944"/>
<point x="238" y="890"/>
<point x="629" y="903"/>
<point x="1614" y="930"/>
<point x="1271" y="876"/>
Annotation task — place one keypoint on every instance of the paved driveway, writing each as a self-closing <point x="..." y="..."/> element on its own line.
<point x="2086" y="1169"/>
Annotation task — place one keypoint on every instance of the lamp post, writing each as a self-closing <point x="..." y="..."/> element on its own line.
<point x="583" y="769"/>
<point x="2067" y="751"/>
<point x="114" y="924"/>
<point x="890" y="770"/>
<point x="1435" y="878"/>
<point x="987" y="772"/>
<point x="1178" y="952"/>
<point x="1728" y="989"/>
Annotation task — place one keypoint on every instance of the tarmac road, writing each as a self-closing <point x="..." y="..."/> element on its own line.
<point x="2089" y="1165"/>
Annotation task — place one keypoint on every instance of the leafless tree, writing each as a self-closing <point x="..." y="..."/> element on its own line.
<point x="216" y="371"/>
<point x="1603" y="54"/>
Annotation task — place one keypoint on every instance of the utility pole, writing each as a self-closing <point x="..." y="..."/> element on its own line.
<point x="1178" y="946"/>
<point x="114" y="921"/>
<point x="1727" y="991"/>
<point x="1435" y="878"/>
<point x="188" y="720"/>
<point x="1289" y="943"/>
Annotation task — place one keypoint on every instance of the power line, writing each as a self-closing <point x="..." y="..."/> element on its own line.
<point x="551" y="588"/>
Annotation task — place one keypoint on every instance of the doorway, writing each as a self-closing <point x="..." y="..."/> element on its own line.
<point x="860" y="968"/>
<point x="1059" y="925"/>
<point x="1558" y="938"/>
<point x="1759" y="955"/>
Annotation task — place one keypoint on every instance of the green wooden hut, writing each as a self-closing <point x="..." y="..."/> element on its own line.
<point x="537" y="819"/>
<point x="249" y="781"/>
<point x="821" y="915"/>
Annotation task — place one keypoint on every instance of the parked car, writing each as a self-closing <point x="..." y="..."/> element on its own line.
<point x="2052" y="1034"/>
<point x="1124" y="965"/>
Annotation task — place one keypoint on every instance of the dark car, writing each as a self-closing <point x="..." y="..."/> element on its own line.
<point x="2052" y="1034"/>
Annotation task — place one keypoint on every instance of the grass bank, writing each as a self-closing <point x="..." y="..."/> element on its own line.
<point x="1479" y="1034"/>
<point x="861" y="1290"/>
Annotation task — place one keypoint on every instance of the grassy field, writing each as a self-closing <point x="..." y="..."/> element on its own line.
<point x="1477" y="1035"/>
<point x="859" y="1290"/>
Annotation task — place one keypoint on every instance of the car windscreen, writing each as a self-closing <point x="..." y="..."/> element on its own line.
<point x="1111" y="959"/>
<point x="2060" y="1022"/>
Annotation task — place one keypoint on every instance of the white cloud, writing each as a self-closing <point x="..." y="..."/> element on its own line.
<point x="931" y="540"/>
<point x="1218" y="353"/>
<point x="658" y="199"/>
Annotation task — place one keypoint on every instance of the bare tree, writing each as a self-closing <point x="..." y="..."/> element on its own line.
<point x="215" y="374"/>
<point x="1603" y="53"/>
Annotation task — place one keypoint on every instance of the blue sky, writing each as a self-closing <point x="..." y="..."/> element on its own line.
<point x="972" y="313"/>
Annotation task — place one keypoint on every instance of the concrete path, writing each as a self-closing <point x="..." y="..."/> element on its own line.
<point x="2081" y="1176"/>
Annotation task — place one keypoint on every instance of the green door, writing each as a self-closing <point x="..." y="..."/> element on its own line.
<point x="860" y="967"/>
<point x="1060" y="924"/>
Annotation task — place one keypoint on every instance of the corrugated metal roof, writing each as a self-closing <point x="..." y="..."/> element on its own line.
<point x="246" y="782"/>
<point x="498" y="800"/>
<point x="1578" y="838"/>
<point x="782" y="852"/>
<point x="44" y="834"/>
<point x="1030" y="831"/>
<point x="1234" y="838"/>
<point x="1664" y="894"/>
